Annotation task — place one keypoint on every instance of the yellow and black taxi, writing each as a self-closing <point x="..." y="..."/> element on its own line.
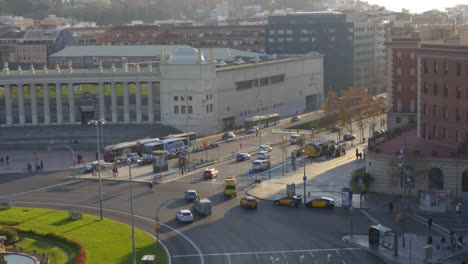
<point x="248" y="202"/>
<point x="322" y="202"/>
<point x="289" y="200"/>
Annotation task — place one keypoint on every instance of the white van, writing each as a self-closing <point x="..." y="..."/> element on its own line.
<point x="203" y="206"/>
<point x="258" y="165"/>
<point x="295" y="137"/>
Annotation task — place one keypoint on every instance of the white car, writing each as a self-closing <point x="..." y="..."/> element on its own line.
<point x="184" y="215"/>
<point x="266" y="148"/>
<point x="263" y="155"/>
<point x="259" y="165"/>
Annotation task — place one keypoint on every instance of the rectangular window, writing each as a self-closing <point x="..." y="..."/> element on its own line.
<point x="444" y="133"/>
<point x="446" y="68"/>
<point x="211" y="96"/>
<point x="289" y="31"/>
<point x="445" y="90"/>
<point x="211" y="108"/>
<point x="425" y="109"/>
<point x="412" y="106"/>
<point x="264" y="81"/>
<point x="182" y="109"/>
<point x="436" y="89"/>
<point x="434" y="110"/>
<point x="458" y="115"/>
<point x="271" y="32"/>
<point x="244" y="85"/>
<point x="435" y="132"/>
<point x="277" y="79"/>
<point x="398" y="120"/>
<point x="425" y="66"/>
<point x="458" y="93"/>
<point x="425" y="87"/>
<point x="190" y="109"/>
<point x="444" y="111"/>
<point x="176" y="98"/>
<point x="457" y="136"/>
<point x="207" y="108"/>
<point x="436" y="67"/>
<point x="190" y="98"/>
<point x="176" y="109"/>
<point x="458" y="69"/>
<point x="280" y="31"/>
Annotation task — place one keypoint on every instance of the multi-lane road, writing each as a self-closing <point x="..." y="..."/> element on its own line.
<point x="231" y="234"/>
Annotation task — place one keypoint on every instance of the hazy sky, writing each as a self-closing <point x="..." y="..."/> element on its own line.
<point x="417" y="5"/>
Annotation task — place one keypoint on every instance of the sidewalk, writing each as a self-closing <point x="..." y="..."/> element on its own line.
<point x="413" y="252"/>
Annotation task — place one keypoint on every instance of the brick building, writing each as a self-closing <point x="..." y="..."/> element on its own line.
<point x="134" y="35"/>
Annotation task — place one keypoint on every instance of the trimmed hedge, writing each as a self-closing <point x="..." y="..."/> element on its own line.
<point x="9" y="223"/>
<point x="360" y="174"/>
<point x="10" y="233"/>
<point x="80" y="258"/>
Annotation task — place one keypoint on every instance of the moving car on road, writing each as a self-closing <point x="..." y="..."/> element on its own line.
<point x="203" y="206"/>
<point x="228" y="136"/>
<point x="210" y="173"/>
<point x="322" y="202"/>
<point x="263" y="155"/>
<point x="242" y="156"/>
<point x="190" y="195"/>
<point x="248" y="202"/>
<point x="184" y="215"/>
<point x="349" y="137"/>
<point x="230" y="187"/>
<point x="288" y="200"/>
<point x="296" y="118"/>
<point x="133" y="157"/>
<point x="252" y="130"/>
<point x="259" y="165"/>
<point x="265" y="148"/>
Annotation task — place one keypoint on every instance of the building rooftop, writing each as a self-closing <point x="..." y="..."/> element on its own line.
<point x="41" y="34"/>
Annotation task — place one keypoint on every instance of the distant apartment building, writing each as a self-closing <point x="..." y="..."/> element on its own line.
<point x="443" y="115"/>
<point x="134" y="35"/>
<point x="87" y="35"/>
<point x="430" y="17"/>
<point x="243" y="37"/>
<point x="346" y="40"/>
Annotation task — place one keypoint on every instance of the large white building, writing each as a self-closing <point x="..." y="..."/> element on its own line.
<point x="183" y="90"/>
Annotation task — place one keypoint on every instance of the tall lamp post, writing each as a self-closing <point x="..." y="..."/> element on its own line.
<point x="129" y="162"/>
<point x="97" y="123"/>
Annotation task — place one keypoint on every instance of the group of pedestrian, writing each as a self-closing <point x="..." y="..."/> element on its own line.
<point x="38" y="167"/>
<point x="7" y="160"/>
<point x="360" y="155"/>
<point x="455" y="243"/>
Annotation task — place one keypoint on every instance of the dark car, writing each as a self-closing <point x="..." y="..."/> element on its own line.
<point x="288" y="200"/>
<point x="242" y="156"/>
<point x="349" y="137"/>
<point x="210" y="173"/>
<point x="190" y="195"/>
<point x="228" y="136"/>
<point x="296" y="118"/>
<point x="322" y="202"/>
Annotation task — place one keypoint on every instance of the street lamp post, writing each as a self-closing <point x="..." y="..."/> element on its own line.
<point x="97" y="123"/>
<point x="129" y="162"/>
<point x="351" y="220"/>
<point x="305" y="177"/>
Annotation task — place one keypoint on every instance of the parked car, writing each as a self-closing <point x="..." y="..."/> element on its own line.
<point x="133" y="157"/>
<point x="210" y="173"/>
<point x="251" y="130"/>
<point x="322" y="202"/>
<point x="248" y="202"/>
<point x="88" y="167"/>
<point x="259" y="165"/>
<point x="349" y="137"/>
<point x="228" y="136"/>
<point x="296" y="118"/>
<point x="265" y="148"/>
<point x="184" y="215"/>
<point x="190" y="195"/>
<point x="242" y="156"/>
<point x="263" y="155"/>
<point x="288" y="200"/>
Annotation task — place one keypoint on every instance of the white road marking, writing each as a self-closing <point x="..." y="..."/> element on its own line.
<point x="328" y="257"/>
<point x="310" y="252"/>
<point x="369" y="216"/>
<point x="337" y="252"/>
<point x="271" y="252"/>
<point x="229" y="259"/>
<point x="202" y="260"/>
<point x="344" y="262"/>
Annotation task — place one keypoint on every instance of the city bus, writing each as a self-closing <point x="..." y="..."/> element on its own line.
<point x="191" y="135"/>
<point x="112" y="152"/>
<point x="171" y="145"/>
<point x="262" y="121"/>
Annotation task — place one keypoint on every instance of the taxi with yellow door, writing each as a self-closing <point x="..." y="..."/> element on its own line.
<point x="322" y="202"/>
<point x="289" y="200"/>
<point x="249" y="202"/>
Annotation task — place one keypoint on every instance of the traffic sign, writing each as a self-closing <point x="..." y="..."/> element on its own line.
<point x="361" y="181"/>
<point x="304" y="178"/>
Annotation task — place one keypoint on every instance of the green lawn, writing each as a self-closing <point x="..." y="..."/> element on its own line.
<point x="105" y="241"/>
<point x="92" y="89"/>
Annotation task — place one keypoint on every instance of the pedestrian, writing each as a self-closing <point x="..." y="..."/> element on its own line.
<point x="429" y="222"/>
<point x="29" y="167"/>
<point x="42" y="165"/>
<point x="390" y="206"/>
<point x="256" y="132"/>
<point x="443" y="240"/>
<point x="458" y="208"/>
<point x="113" y="171"/>
<point x="7" y="159"/>
<point x="150" y="187"/>
<point x="452" y="239"/>
<point x="357" y="154"/>
<point x="363" y="156"/>
<point x="429" y="240"/>
<point x="116" y="171"/>
<point x="1" y="161"/>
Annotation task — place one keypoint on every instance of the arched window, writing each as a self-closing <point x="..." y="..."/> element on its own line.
<point x="436" y="179"/>
<point x="465" y="181"/>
